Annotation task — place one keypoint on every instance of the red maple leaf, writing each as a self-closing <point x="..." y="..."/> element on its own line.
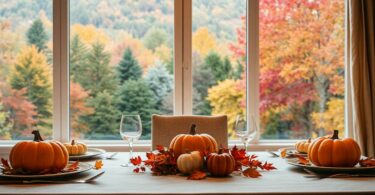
<point x="160" y="148"/>
<point x="251" y="172"/>
<point x="197" y="175"/>
<point x="268" y="166"/>
<point x="368" y="162"/>
<point x="136" y="160"/>
<point x="5" y="164"/>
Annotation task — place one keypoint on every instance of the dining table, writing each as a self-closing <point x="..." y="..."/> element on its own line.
<point x="286" y="179"/>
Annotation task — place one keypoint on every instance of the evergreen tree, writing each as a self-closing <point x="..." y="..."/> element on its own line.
<point x="237" y="73"/>
<point x="77" y="59"/>
<point x="203" y="79"/>
<point x="32" y="72"/>
<point x="104" y="120"/>
<point x="97" y="76"/>
<point x="219" y="69"/>
<point x="36" y="35"/>
<point x="135" y="97"/>
<point x="227" y="68"/>
<point x="128" y="67"/>
<point x="160" y="83"/>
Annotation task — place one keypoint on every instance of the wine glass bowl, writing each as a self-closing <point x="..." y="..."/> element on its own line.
<point x="245" y="130"/>
<point x="130" y="131"/>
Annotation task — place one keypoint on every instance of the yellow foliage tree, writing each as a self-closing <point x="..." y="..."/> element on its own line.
<point x="89" y="34"/>
<point x="203" y="41"/>
<point x="163" y="53"/>
<point x="226" y="98"/>
<point x="332" y="118"/>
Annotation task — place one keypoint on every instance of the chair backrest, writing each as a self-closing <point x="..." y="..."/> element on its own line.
<point x="165" y="128"/>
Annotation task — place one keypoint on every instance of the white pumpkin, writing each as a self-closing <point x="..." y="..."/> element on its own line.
<point x="187" y="163"/>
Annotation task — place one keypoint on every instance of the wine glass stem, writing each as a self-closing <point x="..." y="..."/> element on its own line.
<point x="130" y="150"/>
<point x="245" y="146"/>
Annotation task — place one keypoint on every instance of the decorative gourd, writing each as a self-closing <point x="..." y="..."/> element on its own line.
<point x="220" y="164"/>
<point x="187" y="163"/>
<point x="39" y="156"/>
<point x="334" y="152"/>
<point x="184" y="143"/>
<point x="303" y="146"/>
<point x="76" y="148"/>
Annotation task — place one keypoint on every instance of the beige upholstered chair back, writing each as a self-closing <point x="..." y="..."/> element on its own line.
<point x="165" y="128"/>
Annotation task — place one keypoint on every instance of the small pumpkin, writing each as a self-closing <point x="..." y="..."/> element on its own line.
<point x="39" y="156"/>
<point x="220" y="164"/>
<point x="303" y="146"/>
<point x="184" y="143"/>
<point x="76" y="148"/>
<point x="334" y="152"/>
<point x="187" y="163"/>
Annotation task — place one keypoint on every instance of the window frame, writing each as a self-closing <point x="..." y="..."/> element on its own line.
<point x="182" y="76"/>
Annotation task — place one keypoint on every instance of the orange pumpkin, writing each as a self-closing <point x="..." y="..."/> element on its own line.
<point x="334" y="152"/>
<point x="184" y="143"/>
<point x="220" y="164"/>
<point x="39" y="156"/>
<point x="303" y="146"/>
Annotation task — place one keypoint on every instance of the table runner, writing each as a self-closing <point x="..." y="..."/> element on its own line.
<point x="121" y="180"/>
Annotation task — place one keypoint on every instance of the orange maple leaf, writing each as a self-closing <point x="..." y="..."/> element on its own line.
<point x="73" y="166"/>
<point x="5" y="163"/>
<point x="98" y="164"/>
<point x="302" y="160"/>
<point x="136" y="160"/>
<point x="368" y="162"/>
<point x="283" y="153"/>
<point x="267" y="166"/>
<point x="197" y="175"/>
<point x="251" y="172"/>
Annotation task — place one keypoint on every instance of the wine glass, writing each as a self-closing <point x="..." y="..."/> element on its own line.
<point x="130" y="131"/>
<point x="246" y="131"/>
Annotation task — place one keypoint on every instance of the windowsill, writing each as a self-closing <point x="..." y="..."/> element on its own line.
<point x="144" y="146"/>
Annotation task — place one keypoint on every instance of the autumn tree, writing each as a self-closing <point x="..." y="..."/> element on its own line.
<point x="31" y="72"/>
<point x="203" y="41"/>
<point x="154" y="38"/>
<point x="301" y="55"/>
<point x="128" y="69"/>
<point x="36" y="35"/>
<point x="78" y="108"/>
<point x="5" y="124"/>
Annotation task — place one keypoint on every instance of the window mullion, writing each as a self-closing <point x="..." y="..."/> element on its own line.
<point x="178" y="52"/>
<point x="252" y="61"/>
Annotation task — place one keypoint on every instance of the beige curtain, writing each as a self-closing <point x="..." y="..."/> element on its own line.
<point x="361" y="75"/>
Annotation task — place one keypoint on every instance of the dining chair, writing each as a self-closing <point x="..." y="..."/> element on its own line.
<point x="165" y="128"/>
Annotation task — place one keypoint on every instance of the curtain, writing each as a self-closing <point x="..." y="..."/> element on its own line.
<point x="360" y="56"/>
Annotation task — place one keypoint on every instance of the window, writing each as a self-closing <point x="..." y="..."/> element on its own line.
<point x="25" y="68"/>
<point x="280" y="61"/>
<point x="121" y="61"/>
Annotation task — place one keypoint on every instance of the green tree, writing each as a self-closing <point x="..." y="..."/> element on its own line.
<point x="135" y="97"/>
<point x="32" y="72"/>
<point x="128" y="67"/>
<point x="97" y="76"/>
<point x="36" y="35"/>
<point x="237" y="72"/>
<point x="219" y="69"/>
<point x="104" y="120"/>
<point x="77" y="59"/>
<point x="161" y="84"/>
<point x="154" y="38"/>
<point x="203" y="79"/>
<point x="5" y="124"/>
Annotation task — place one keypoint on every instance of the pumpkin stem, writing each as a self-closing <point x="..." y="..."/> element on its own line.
<point x="309" y="140"/>
<point x="37" y="137"/>
<point x="73" y="142"/>
<point x="220" y="151"/>
<point x="193" y="130"/>
<point x="335" y="134"/>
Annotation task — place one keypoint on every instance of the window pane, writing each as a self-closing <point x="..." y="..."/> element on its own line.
<point x="121" y="61"/>
<point x="219" y="57"/>
<point x="301" y="68"/>
<point x="25" y="68"/>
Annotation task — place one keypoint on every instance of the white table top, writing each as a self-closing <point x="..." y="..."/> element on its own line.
<point x="121" y="180"/>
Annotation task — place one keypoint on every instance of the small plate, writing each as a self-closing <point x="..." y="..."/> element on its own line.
<point x="319" y="169"/>
<point x="290" y="152"/>
<point x="91" y="152"/>
<point x="82" y="168"/>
